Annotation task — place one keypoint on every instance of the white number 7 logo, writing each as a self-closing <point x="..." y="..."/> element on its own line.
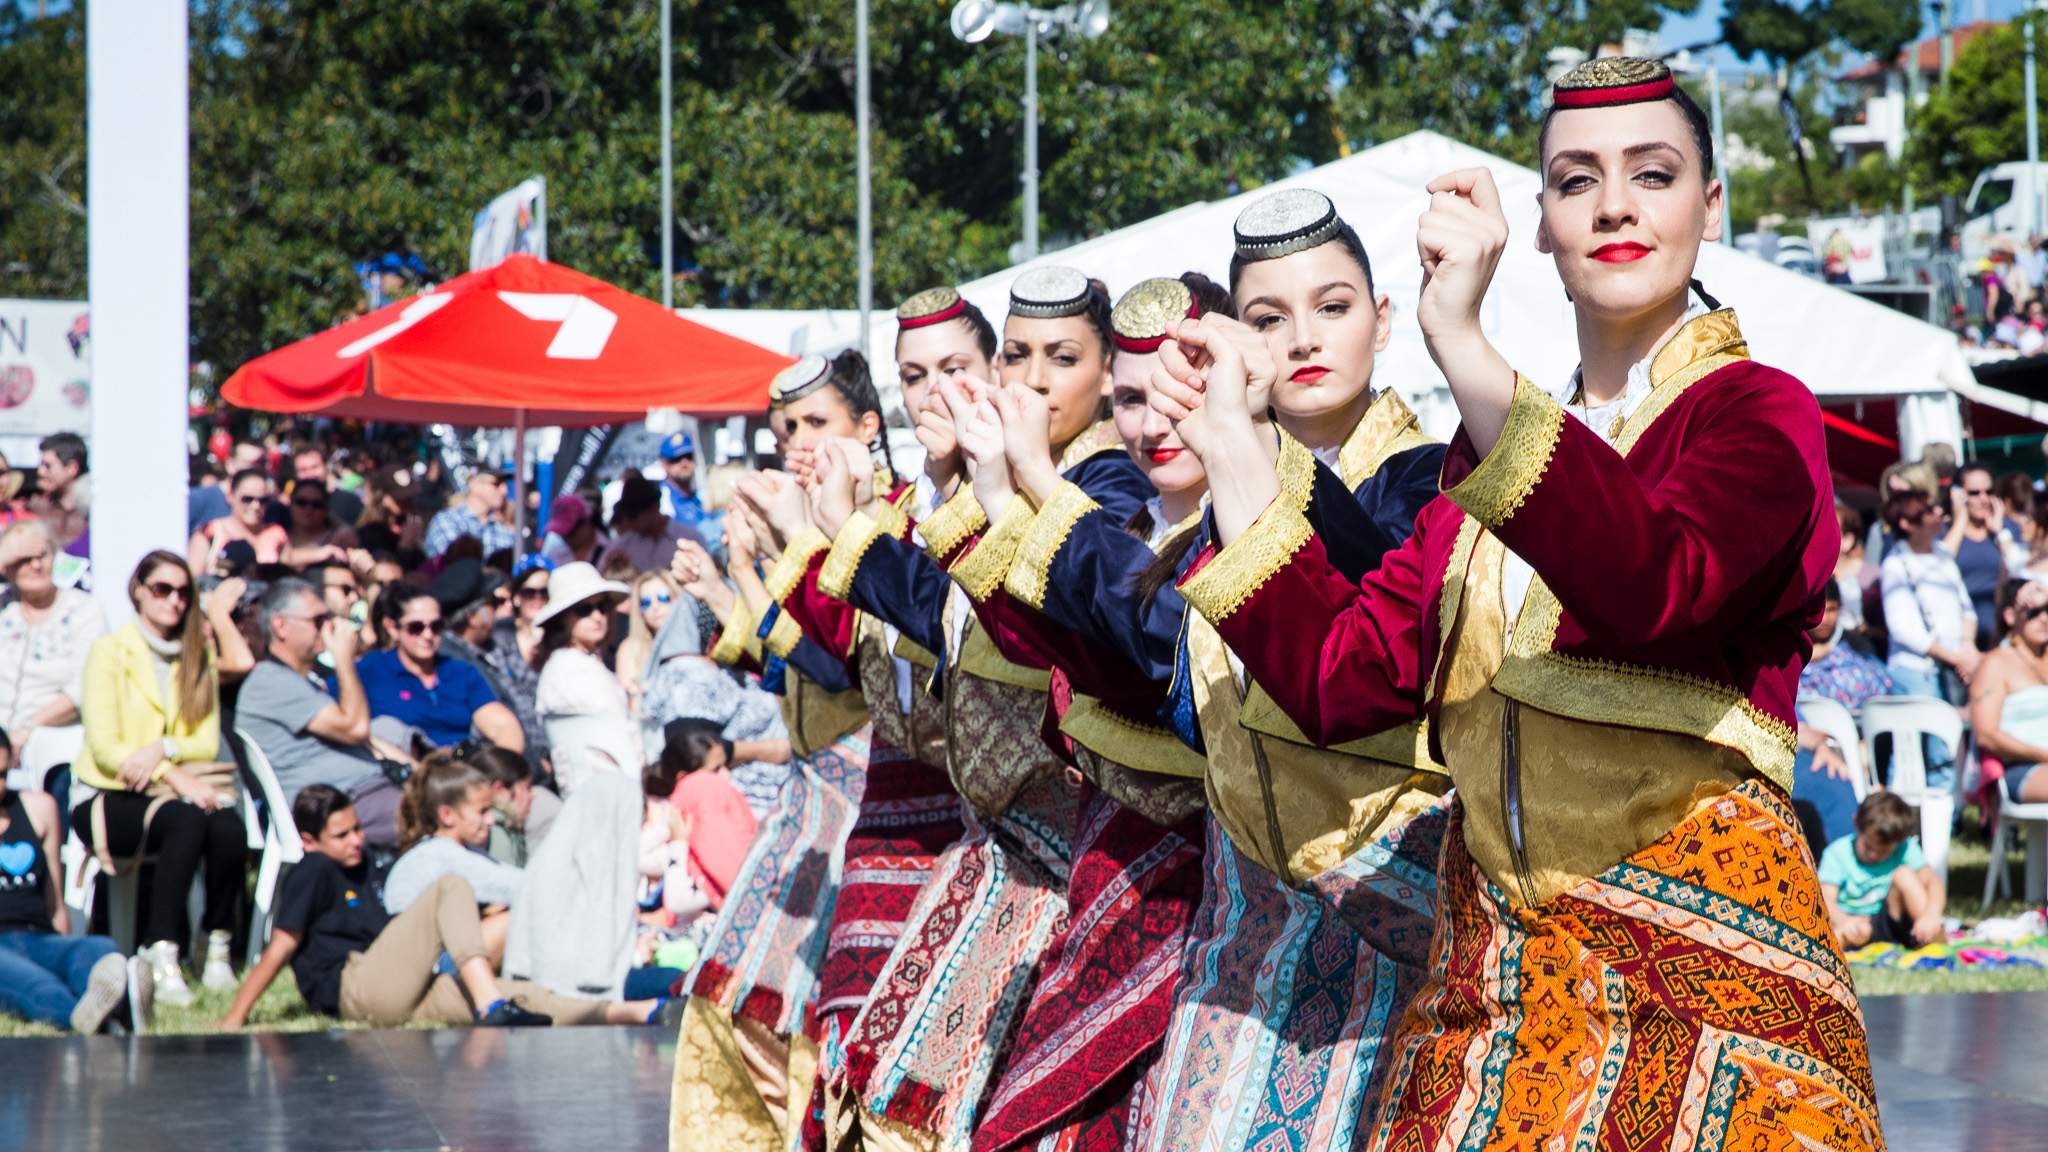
<point x="586" y="326"/>
<point x="421" y="308"/>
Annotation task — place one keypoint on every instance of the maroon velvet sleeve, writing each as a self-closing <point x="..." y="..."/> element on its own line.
<point x="828" y="622"/>
<point x="1028" y="637"/>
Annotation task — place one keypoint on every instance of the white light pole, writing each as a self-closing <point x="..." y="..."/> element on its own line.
<point x="864" y="171"/>
<point x="976" y="20"/>
<point x="668" y="165"/>
<point x="2033" y="182"/>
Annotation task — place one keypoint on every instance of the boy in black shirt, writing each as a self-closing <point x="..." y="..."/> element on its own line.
<point x="353" y="960"/>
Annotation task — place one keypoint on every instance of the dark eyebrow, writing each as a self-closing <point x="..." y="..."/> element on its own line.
<point x="1582" y="156"/>
<point x="1336" y="284"/>
<point x="1268" y="301"/>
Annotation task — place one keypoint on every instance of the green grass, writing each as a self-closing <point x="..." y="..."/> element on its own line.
<point x="280" y="1010"/>
<point x="1967" y="860"/>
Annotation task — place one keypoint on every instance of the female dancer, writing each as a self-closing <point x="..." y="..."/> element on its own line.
<point x="1604" y="618"/>
<point x="747" y="1053"/>
<point x="922" y="1052"/>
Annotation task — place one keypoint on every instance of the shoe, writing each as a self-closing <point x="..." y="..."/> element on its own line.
<point x="511" y="1014"/>
<point x="141" y="992"/>
<point x="104" y="988"/>
<point x="170" y="978"/>
<point x="219" y="975"/>
<point x="670" y="1012"/>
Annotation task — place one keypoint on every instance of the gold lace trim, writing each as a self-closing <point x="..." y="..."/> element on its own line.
<point x="796" y="560"/>
<point x="737" y="641"/>
<point x="1100" y="436"/>
<point x="1388" y="428"/>
<point x="952" y="523"/>
<point x="1496" y="488"/>
<point x="987" y="564"/>
<point x="783" y="635"/>
<point x="1043" y="541"/>
<point x="1230" y="578"/>
<point x="1714" y="335"/>
<point x="842" y="563"/>
<point x="1114" y="736"/>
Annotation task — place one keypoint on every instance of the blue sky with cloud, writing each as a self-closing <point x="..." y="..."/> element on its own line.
<point x="1706" y="23"/>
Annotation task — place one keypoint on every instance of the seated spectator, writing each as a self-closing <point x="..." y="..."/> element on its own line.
<point x="590" y="726"/>
<point x="529" y="597"/>
<point x="2009" y="698"/>
<point x="479" y="515"/>
<point x="475" y="601"/>
<point x="431" y="963"/>
<point x="63" y="497"/>
<point x="681" y="681"/>
<point x="713" y="826"/>
<point x="444" y="827"/>
<point x="391" y="523"/>
<point x="47" y="975"/>
<point x="1927" y="616"/>
<point x="248" y="493"/>
<point x="153" y="780"/>
<point x="648" y="604"/>
<point x="411" y="682"/>
<point x="1878" y="887"/>
<point x="572" y="533"/>
<point x="309" y="466"/>
<point x="641" y="532"/>
<point x="314" y="536"/>
<point x="1823" y="794"/>
<point x="207" y="497"/>
<point x="524" y="812"/>
<point x="308" y="736"/>
<point x="45" y="633"/>
<point x="341" y="590"/>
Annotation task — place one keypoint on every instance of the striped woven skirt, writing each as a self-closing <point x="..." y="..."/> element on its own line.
<point x="1690" y="997"/>
<point x="1289" y="998"/>
<point x="1098" y="1014"/>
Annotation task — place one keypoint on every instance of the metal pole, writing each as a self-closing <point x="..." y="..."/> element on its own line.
<point x="2032" y="185"/>
<point x="1031" y="138"/>
<point x="1948" y="42"/>
<point x="866" y="170"/>
<point x="668" y="165"/>
<point x="1720" y="153"/>
<point x="518" y="484"/>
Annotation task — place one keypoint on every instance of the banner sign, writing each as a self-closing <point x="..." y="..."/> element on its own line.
<point x="516" y="221"/>
<point x="45" y="374"/>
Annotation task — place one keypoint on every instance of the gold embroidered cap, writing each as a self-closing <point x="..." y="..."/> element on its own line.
<point x="931" y="306"/>
<point x="1049" y="292"/>
<point x="1141" y="316"/>
<point x="1611" y="81"/>
<point x="1285" y="223"/>
<point x="798" y="380"/>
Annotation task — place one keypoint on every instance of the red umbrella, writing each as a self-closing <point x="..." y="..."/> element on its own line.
<point x="524" y="342"/>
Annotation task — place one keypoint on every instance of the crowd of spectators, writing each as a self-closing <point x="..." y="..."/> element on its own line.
<point x="521" y="788"/>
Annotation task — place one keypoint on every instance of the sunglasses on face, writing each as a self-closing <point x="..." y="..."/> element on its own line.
<point x="164" y="590"/>
<point x="421" y="627"/>
<point x="309" y="504"/>
<point x="345" y="589"/>
<point x="536" y="595"/>
<point x="2027" y="615"/>
<point x="656" y="598"/>
<point x="249" y="499"/>
<point x="319" y="621"/>
<point x="587" y="609"/>
<point x="1975" y="492"/>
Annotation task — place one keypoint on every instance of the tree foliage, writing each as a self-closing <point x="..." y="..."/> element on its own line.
<point x="1981" y="119"/>
<point x="327" y="133"/>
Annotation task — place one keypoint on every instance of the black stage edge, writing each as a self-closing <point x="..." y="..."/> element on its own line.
<point x="1953" y="1072"/>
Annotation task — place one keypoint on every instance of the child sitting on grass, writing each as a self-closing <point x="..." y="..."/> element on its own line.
<point x="1877" y="884"/>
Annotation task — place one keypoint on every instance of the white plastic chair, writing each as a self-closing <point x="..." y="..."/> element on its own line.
<point x="1907" y="719"/>
<point x="82" y="875"/>
<point x="279" y="846"/>
<point x="1839" y="726"/>
<point x="2034" y="819"/>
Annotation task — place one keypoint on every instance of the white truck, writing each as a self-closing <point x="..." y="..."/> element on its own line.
<point x="1997" y="206"/>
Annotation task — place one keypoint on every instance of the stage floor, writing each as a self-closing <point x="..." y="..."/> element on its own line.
<point x="1961" y="1072"/>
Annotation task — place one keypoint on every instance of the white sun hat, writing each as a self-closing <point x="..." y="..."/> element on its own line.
<point x="572" y="584"/>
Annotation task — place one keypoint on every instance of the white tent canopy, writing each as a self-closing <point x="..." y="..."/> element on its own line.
<point x="1841" y="345"/>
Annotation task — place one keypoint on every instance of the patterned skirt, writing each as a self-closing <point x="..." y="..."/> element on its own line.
<point x="919" y="1058"/>
<point x="1289" y="998"/>
<point x="1099" y="1012"/>
<point x="1690" y="997"/>
<point x="768" y="944"/>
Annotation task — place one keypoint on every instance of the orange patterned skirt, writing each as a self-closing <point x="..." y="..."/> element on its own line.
<point x="1690" y="997"/>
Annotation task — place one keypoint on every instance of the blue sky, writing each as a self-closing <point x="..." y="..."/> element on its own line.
<point x="1706" y="23"/>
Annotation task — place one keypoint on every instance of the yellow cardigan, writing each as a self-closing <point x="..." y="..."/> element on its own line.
<point x="124" y="708"/>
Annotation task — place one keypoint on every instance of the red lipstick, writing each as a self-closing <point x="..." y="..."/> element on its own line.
<point x="1623" y="252"/>
<point x="1164" y="455"/>
<point x="1309" y="373"/>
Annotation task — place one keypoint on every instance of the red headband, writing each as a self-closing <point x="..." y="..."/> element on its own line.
<point x="1648" y="90"/>
<point x="1151" y="343"/>
<point x="957" y="308"/>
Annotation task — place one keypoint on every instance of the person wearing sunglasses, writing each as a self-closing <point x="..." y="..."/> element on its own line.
<point x="415" y="685"/>
<point x="589" y="722"/>
<point x="2009" y="697"/>
<point x="248" y="499"/>
<point x="314" y="535"/>
<point x="154" y="780"/>
<point x="648" y="605"/>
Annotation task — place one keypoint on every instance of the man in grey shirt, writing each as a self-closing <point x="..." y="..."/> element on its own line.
<point x="308" y="736"/>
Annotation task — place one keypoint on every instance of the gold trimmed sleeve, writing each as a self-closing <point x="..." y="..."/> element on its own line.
<point x="1297" y="472"/>
<point x="951" y="523"/>
<point x="738" y="636"/>
<point x="796" y="560"/>
<point x="987" y="565"/>
<point x="855" y="537"/>
<point x="1043" y="541"/>
<point x="893" y="519"/>
<point x="1232" y="576"/>
<point x="1496" y="488"/>
<point x="783" y="635"/>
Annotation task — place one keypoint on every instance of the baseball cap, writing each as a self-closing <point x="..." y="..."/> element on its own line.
<point x="677" y="445"/>
<point x="568" y="511"/>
